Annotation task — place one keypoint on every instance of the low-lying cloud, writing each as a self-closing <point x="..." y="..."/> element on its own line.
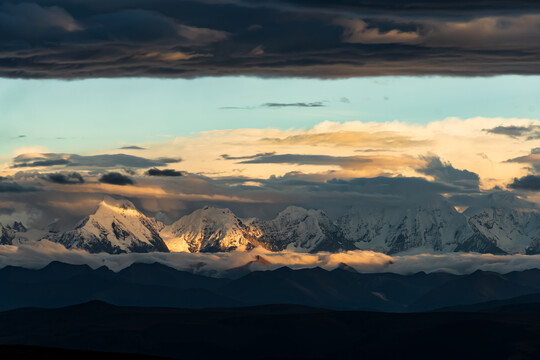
<point x="39" y="254"/>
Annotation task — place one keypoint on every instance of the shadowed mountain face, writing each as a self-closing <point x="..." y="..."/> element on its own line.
<point x="274" y="332"/>
<point x="9" y="233"/>
<point x="151" y="285"/>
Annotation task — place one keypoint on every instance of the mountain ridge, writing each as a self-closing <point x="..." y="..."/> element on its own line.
<point x="429" y="226"/>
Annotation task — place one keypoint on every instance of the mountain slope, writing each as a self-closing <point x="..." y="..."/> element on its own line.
<point x="116" y="227"/>
<point x="209" y="230"/>
<point x="513" y="230"/>
<point x="431" y="225"/>
<point x="11" y="232"/>
<point x="301" y="230"/>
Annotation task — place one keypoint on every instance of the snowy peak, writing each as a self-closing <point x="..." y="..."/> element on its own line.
<point x="512" y="229"/>
<point x="116" y="227"/>
<point x="9" y="233"/>
<point x="209" y="229"/>
<point x="301" y="230"/>
<point x="432" y="225"/>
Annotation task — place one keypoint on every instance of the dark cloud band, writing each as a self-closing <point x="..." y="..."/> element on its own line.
<point x="115" y="178"/>
<point x="71" y="39"/>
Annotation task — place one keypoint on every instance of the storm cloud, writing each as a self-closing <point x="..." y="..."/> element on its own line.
<point x="332" y="39"/>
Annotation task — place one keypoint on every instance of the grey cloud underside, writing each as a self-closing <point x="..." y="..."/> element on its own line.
<point x="74" y="160"/>
<point x="533" y="159"/>
<point x="300" y="159"/>
<point x="73" y="39"/>
<point x="530" y="132"/>
<point x="245" y="157"/>
<point x="449" y="7"/>
<point x="168" y="160"/>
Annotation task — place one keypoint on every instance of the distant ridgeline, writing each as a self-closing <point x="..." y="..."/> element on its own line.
<point x="433" y="226"/>
<point x="156" y="285"/>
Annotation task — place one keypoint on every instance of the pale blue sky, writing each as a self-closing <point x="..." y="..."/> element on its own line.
<point x="89" y="115"/>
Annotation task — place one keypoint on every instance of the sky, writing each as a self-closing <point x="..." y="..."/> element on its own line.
<point x="70" y="116"/>
<point x="257" y="105"/>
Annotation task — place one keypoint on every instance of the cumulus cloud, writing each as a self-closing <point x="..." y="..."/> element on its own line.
<point x="115" y="178"/>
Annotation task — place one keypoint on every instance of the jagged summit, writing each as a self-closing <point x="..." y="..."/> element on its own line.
<point x="432" y="225"/>
<point x="301" y="230"/>
<point x="116" y="227"/>
<point x="9" y="233"/>
<point x="209" y="229"/>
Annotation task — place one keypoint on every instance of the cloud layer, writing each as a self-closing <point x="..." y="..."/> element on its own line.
<point x="73" y="39"/>
<point x="40" y="254"/>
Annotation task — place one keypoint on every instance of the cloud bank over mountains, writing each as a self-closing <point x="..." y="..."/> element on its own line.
<point x="38" y="255"/>
<point x="259" y="172"/>
<point x="166" y="38"/>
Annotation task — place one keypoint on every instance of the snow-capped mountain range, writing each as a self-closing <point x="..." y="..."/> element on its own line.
<point x="428" y="226"/>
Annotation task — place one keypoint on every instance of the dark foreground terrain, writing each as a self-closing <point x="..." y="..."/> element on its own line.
<point x="156" y="285"/>
<point x="271" y="332"/>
